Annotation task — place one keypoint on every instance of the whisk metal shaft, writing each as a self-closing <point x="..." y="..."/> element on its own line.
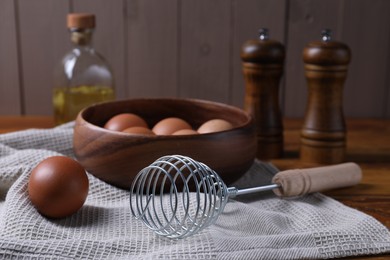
<point x="233" y="191"/>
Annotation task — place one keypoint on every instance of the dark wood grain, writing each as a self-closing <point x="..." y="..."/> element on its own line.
<point x="117" y="157"/>
<point x="262" y="64"/>
<point x="18" y="123"/>
<point x="323" y="132"/>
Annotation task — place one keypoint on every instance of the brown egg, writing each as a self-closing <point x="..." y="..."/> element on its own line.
<point x="214" y="125"/>
<point x="186" y="132"/>
<point x="170" y="125"/>
<point x="58" y="186"/>
<point x="122" y="121"/>
<point x="139" y="130"/>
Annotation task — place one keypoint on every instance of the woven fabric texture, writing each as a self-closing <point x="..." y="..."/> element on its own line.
<point x="259" y="226"/>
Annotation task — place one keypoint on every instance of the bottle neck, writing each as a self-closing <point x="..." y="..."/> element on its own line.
<point x="81" y="37"/>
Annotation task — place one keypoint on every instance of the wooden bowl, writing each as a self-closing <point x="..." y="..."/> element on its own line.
<point x="117" y="157"/>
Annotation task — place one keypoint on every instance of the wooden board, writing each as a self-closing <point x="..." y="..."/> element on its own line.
<point x="366" y="29"/>
<point x="152" y="48"/>
<point x="191" y="48"/>
<point x="43" y="41"/>
<point x="10" y="85"/>
<point x="205" y="43"/>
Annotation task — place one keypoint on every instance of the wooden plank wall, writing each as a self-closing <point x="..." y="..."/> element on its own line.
<point x="10" y="87"/>
<point x="191" y="48"/>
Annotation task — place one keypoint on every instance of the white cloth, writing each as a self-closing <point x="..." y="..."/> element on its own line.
<point x="259" y="226"/>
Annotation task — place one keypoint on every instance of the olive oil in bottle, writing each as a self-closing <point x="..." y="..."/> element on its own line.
<point x="83" y="77"/>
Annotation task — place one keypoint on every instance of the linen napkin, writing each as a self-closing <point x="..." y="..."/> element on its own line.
<point x="260" y="226"/>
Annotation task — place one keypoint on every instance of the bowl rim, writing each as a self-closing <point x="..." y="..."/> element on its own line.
<point x="248" y="121"/>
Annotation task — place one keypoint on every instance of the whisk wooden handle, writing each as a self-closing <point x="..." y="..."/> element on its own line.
<point x="303" y="181"/>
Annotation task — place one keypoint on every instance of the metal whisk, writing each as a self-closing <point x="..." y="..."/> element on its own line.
<point x="196" y="195"/>
<point x="177" y="196"/>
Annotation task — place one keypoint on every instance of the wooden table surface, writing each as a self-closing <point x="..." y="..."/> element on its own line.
<point x="368" y="144"/>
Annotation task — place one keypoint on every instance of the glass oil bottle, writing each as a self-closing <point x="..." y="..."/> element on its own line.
<point x="83" y="77"/>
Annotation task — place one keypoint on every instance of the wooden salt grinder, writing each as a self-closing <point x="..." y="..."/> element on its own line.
<point x="262" y="62"/>
<point x="323" y="135"/>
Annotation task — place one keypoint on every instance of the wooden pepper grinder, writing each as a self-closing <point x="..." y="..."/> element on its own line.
<point x="323" y="136"/>
<point x="262" y="62"/>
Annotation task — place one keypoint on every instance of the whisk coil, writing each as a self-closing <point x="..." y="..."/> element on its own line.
<point x="177" y="196"/>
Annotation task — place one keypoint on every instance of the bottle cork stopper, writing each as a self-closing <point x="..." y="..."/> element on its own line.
<point x="81" y="20"/>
